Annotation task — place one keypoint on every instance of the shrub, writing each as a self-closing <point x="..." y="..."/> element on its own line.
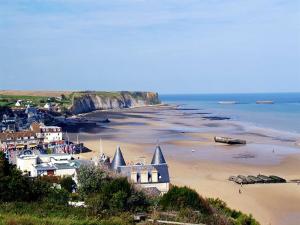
<point x="183" y="197"/>
<point x="237" y="217"/>
<point x="68" y="184"/>
<point x="115" y="196"/>
<point x="57" y="196"/>
<point x="90" y="179"/>
<point x="189" y="216"/>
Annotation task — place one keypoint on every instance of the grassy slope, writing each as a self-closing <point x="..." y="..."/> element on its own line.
<point x="46" y="214"/>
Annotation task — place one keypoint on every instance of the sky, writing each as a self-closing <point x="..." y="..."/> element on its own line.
<point x="168" y="46"/>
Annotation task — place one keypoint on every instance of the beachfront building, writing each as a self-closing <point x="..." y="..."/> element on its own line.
<point x="18" y="140"/>
<point x="148" y="176"/>
<point x="47" y="134"/>
<point x="48" y="164"/>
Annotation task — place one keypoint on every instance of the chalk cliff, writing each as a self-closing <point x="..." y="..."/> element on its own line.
<point x="83" y="102"/>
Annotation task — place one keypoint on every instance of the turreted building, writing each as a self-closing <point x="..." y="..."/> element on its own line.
<point x="148" y="176"/>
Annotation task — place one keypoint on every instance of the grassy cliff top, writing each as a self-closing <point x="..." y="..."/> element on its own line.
<point x="64" y="98"/>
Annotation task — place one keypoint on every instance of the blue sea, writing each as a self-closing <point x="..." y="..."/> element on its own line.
<point x="283" y="115"/>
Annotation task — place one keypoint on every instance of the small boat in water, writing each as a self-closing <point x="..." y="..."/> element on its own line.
<point x="264" y="102"/>
<point x="230" y="141"/>
<point x="227" y="102"/>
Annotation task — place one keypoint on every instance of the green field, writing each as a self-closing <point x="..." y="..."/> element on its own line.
<point x="39" y="101"/>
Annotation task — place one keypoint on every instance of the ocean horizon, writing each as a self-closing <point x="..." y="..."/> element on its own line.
<point x="282" y="115"/>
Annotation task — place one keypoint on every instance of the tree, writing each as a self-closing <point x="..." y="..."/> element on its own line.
<point x="57" y="196"/>
<point x="118" y="201"/>
<point x="63" y="97"/>
<point x="97" y="203"/>
<point x="68" y="184"/>
<point x="104" y="194"/>
<point x="16" y="187"/>
<point x="178" y="198"/>
<point x="90" y="179"/>
<point x="13" y="186"/>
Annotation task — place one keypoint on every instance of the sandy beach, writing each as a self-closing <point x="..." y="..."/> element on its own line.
<point x="195" y="160"/>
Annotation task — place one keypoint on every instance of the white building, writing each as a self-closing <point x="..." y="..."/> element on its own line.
<point x="47" y="164"/>
<point x="51" y="134"/>
<point x="18" y="103"/>
<point x="47" y="106"/>
<point x="47" y="134"/>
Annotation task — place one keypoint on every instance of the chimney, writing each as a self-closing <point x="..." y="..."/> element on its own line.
<point x="134" y="176"/>
<point x="154" y="175"/>
<point x="144" y="176"/>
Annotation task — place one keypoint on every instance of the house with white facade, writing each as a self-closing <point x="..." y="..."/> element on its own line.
<point x="47" y="105"/>
<point x="18" y="103"/>
<point x="47" y="134"/>
<point x="48" y="164"/>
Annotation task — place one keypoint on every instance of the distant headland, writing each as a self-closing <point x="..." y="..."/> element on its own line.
<point x="76" y="102"/>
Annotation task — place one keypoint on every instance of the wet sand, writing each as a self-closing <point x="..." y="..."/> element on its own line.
<point x="209" y="165"/>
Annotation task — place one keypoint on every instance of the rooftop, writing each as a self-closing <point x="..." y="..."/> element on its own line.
<point x="14" y="135"/>
<point x="158" y="157"/>
<point x="118" y="159"/>
<point x="163" y="172"/>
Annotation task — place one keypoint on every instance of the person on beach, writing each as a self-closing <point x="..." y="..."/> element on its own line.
<point x="240" y="192"/>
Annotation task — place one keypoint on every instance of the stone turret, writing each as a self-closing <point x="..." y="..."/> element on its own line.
<point x="118" y="159"/>
<point x="158" y="157"/>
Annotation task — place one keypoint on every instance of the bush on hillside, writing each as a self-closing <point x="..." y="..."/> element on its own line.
<point x="67" y="183"/>
<point x="91" y="179"/>
<point x="178" y="198"/>
<point x="115" y="196"/>
<point x="237" y="217"/>
<point x="16" y="187"/>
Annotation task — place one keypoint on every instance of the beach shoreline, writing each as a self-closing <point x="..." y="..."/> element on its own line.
<point x="208" y="166"/>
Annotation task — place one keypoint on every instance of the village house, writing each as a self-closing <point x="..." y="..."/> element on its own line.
<point x="47" y="134"/>
<point x="48" y="164"/>
<point x="33" y="115"/>
<point x="9" y="123"/>
<point x="18" y="140"/>
<point x="18" y="103"/>
<point x="148" y="176"/>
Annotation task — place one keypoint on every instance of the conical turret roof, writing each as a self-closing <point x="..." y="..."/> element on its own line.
<point x="118" y="159"/>
<point x="158" y="157"/>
